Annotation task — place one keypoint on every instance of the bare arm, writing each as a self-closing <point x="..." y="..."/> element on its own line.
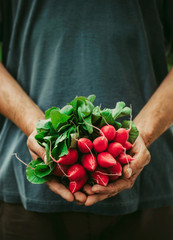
<point x="16" y="105"/>
<point x="157" y="115"/>
<point x="155" y="118"/>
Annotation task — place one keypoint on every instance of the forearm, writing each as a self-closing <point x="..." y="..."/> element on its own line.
<point x="16" y="105"/>
<point x="157" y="115"/>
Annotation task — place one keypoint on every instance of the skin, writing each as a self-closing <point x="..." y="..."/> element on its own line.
<point x="154" y="118"/>
<point x="16" y="105"/>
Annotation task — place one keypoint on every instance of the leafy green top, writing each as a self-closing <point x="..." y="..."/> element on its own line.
<point x="78" y="118"/>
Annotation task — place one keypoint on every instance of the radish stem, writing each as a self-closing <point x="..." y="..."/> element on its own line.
<point x="15" y="154"/>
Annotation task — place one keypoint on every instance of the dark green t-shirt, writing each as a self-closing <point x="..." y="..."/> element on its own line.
<point x="58" y="49"/>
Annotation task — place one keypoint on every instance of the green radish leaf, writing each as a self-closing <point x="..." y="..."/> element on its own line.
<point x="68" y="110"/>
<point x="64" y="127"/>
<point x="125" y="112"/>
<point x="96" y="114"/>
<point x="80" y="114"/>
<point x="84" y="126"/>
<point x="50" y="162"/>
<point x="72" y="133"/>
<point x="40" y="137"/>
<point x="60" y="151"/>
<point x="89" y="105"/>
<point x="121" y="110"/>
<point x="83" y="110"/>
<point x="73" y="143"/>
<point x="61" y="138"/>
<point x="81" y="98"/>
<point x="57" y="118"/>
<point x="118" y="109"/>
<point x="88" y="124"/>
<point x="30" y="173"/>
<point x="106" y="117"/>
<point x="51" y="138"/>
<point x="44" y="125"/>
<point x="134" y="133"/>
<point x="73" y="103"/>
<point x="43" y="137"/>
<point x="91" y="98"/>
<point x="96" y="111"/>
<point x="64" y="149"/>
<point x="42" y="170"/>
<point x="117" y="125"/>
<point x="71" y="130"/>
<point x="47" y="112"/>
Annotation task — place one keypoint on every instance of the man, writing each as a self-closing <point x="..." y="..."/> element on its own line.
<point x="53" y="51"/>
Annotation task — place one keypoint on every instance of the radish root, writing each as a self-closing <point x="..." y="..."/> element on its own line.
<point x="15" y="154"/>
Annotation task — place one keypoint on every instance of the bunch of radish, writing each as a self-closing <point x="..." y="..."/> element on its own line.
<point x="84" y="144"/>
<point x="99" y="161"/>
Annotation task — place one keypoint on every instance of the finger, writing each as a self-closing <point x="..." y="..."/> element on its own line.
<point x="33" y="155"/>
<point x="34" y="147"/>
<point x="80" y="198"/>
<point x="88" y="189"/>
<point x="92" y="199"/>
<point x="141" y="159"/>
<point x="98" y="188"/>
<point x="111" y="190"/>
<point x="60" y="190"/>
<point x="127" y="171"/>
<point x="115" y="187"/>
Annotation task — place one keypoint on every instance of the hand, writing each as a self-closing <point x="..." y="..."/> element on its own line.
<point x="141" y="157"/>
<point x="58" y="188"/>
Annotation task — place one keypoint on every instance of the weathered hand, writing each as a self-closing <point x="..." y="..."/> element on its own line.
<point x="58" y="188"/>
<point x="141" y="157"/>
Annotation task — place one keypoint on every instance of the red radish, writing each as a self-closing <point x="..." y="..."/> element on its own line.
<point x="60" y="170"/>
<point x="76" y="172"/>
<point x="89" y="162"/>
<point x="127" y="145"/>
<point x="100" y="177"/>
<point x="75" y="186"/>
<point x="115" y="149"/>
<point x="113" y="178"/>
<point x="105" y="160"/>
<point x="85" y="145"/>
<point x="115" y="169"/>
<point x="122" y="135"/>
<point x="124" y="158"/>
<point x="108" y="131"/>
<point x="70" y="158"/>
<point x="100" y="144"/>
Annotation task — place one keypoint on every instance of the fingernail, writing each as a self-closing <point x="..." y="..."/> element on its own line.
<point x="129" y="170"/>
<point x="45" y="159"/>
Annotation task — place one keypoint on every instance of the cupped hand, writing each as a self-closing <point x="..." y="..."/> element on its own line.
<point x="58" y="188"/>
<point x="131" y="171"/>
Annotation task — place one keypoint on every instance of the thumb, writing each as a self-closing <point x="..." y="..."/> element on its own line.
<point x="35" y="149"/>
